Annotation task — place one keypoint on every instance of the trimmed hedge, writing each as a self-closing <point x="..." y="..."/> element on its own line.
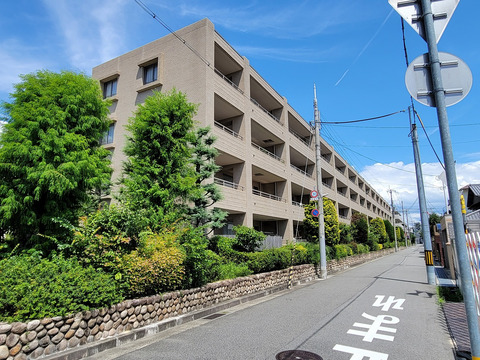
<point x="33" y="288"/>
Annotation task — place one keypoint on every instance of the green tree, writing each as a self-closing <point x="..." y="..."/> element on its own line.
<point x="359" y="225"/>
<point x="206" y="194"/>
<point x="345" y="233"/>
<point x="332" y="229"/>
<point x="310" y="223"/>
<point x="50" y="155"/>
<point x="389" y="229"/>
<point x="434" y="219"/>
<point x="158" y="175"/>
<point x="377" y="227"/>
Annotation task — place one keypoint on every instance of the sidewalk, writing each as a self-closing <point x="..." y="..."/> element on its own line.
<point x="456" y="318"/>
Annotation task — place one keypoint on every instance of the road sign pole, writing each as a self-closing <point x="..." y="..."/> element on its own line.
<point x="460" y="241"/>
<point x="321" y="225"/>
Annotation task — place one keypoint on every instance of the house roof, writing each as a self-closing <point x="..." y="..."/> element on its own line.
<point x="473" y="216"/>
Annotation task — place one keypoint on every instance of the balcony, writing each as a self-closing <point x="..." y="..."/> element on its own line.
<point x="265" y="151"/>
<point x="228" y="130"/>
<point x="235" y="86"/>
<point x="265" y="110"/>
<point x="268" y="196"/>
<point x="301" y="171"/>
<point x="228" y="184"/>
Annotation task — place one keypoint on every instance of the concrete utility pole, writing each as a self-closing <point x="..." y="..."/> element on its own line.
<point x="404" y="231"/>
<point x="318" y="157"/>
<point x="427" y="240"/>
<point x="393" y="219"/>
<point x="460" y="241"/>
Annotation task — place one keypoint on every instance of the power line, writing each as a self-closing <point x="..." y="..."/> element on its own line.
<point x="361" y="120"/>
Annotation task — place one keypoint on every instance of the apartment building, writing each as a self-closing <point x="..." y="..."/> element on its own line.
<point x="266" y="149"/>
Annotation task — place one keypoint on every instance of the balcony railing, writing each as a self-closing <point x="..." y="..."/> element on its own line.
<point x="268" y="196"/>
<point x="296" y="203"/>
<point x="327" y="185"/>
<point x="228" y="130"/>
<point x="301" y="171"/>
<point x="228" y="184"/>
<point x="265" y="151"/>
<point x="299" y="138"/>
<point x="341" y="193"/>
<point x="265" y="110"/>
<point x="343" y="217"/>
<point x="229" y="81"/>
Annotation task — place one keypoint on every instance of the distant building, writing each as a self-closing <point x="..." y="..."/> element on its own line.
<point x="266" y="149"/>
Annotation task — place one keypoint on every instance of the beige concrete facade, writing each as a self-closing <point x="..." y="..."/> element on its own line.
<point x="266" y="149"/>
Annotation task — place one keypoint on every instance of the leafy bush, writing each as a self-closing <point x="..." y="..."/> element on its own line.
<point x="33" y="288"/>
<point x="106" y="235"/>
<point x="342" y="251"/>
<point x="247" y="239"/>
<point x="200" y="261"/>
<point x="231" y="270"/>
<point x="157" y="265"/>
<point x="362" y="249"/>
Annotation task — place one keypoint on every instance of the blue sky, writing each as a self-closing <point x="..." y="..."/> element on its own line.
<point x="351" y="49"/>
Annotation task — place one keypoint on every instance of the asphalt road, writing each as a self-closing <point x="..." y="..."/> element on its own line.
<point x="380" y="310"/>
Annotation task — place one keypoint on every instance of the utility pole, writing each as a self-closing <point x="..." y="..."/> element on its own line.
<point x="460" y="241"/>
<point x="408" y="227"/>
<point x="393" y="219"/>
<point x="427" y="240"/>
<point x="318" y="157"/>
<point x="403" y="221"/>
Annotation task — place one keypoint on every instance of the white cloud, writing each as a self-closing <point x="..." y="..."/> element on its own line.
<point x="401" y="178"/>
<point x="279" y="20"/>
<point x="93" y="32"/>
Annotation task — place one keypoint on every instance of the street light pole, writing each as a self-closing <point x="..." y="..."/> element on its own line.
<point x="321" y="225"/>
<point x="460" y="241"/>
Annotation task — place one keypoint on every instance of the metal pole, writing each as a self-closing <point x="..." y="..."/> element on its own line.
<point x="321" y="226"/>
<point x="408" y="228"/>
<point x="460" y="241"/>
<point x="393" y="217"/>
<point x="403" y="220"/>
<point x="427" y="240"/>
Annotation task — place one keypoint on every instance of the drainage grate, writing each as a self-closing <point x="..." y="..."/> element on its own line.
<point x="213" y="316"/>
<point x="297" y="355"/>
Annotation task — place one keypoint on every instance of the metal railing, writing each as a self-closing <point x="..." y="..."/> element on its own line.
<point x="296" y="203"/>
<point x="341" y="193"/>
<point x="228" y="130"/>
<point x="228" y="184"/>
<point x="327" y="185"/>
<point x="272" y="241"/>
<point x="229" y="81"/>
<point x="301" y="171"/>
<point x="265" y="110"/>
<point x="299" y="137"/>
<point x="268" y="196"/>
<point x="265" y="151"/>
<point x="343" y="217"/>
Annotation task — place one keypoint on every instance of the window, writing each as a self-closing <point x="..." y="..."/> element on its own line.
<point x="108" y="137"/>
<point x="110" y="88"/>
<point x="150" y="73"/>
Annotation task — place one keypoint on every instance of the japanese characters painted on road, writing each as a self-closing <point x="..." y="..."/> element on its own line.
<point x="410" y="11"/>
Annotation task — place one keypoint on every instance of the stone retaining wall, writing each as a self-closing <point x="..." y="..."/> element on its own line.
<point x="39" y="338"/>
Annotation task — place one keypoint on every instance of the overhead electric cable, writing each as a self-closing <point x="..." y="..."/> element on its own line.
<point x="361" y="120"/>
<point x="428" y="138"/>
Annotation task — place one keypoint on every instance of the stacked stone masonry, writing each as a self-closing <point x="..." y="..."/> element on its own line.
<point x="39" y="338"/>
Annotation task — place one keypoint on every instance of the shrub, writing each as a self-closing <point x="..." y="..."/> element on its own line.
<point x="362" y="249"/>
<point x="199" y="262"/>
<point x="33" y="288"/>
<point x="342" y="251"/>
<point x="157" y="265"/>
<point x="231" y="270"/>
<point x="247" y="239"/>
<point x="105" y="236"/>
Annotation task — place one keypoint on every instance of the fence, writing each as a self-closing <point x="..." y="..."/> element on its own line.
<point x="473" y="242"/>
